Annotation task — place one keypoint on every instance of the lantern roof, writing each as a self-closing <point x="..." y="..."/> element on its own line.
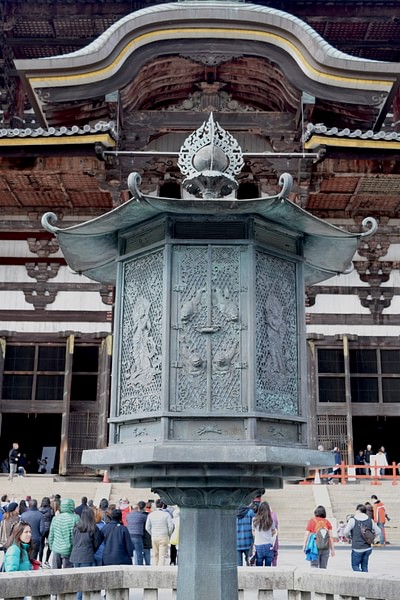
<point x="92" y="248"/>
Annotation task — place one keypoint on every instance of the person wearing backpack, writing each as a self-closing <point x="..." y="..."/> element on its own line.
<point x="320" y="527"/>
<point x="362" y="530"/>
<point x="380" y="518"/>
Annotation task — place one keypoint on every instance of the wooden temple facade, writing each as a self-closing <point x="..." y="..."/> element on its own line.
<point x="93" y="90"/>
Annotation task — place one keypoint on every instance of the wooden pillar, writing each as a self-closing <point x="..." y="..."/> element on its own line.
<point x="2" y="359"/>
<point x="66" y="406"/>
<point x="349" y="410"/>
<point x="104" y="390"/>
<point x="312" y="429"/>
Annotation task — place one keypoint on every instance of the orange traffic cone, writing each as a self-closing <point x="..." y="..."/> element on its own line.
<point x="105" y="477"/>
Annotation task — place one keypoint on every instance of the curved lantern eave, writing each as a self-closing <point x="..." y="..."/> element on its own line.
<point x="91" y="248"/>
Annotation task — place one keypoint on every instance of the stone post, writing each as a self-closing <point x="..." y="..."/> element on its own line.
<point x="207" y="541"/>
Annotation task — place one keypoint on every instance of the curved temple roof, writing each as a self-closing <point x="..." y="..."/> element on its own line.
<point x="113" y="60"/>
<point x="91" y="248"/>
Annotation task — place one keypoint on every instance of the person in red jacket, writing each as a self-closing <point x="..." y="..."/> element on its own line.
<point x="380" y="517"/>
<point x="125" y="508"/>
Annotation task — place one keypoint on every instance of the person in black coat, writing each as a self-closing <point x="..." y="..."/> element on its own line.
<point x="82" y="507"/>
<point x="48" y="514"/>
<point x="35" y="519"/>
<point x="118" y="548"/>
<point x="86" y="539"/>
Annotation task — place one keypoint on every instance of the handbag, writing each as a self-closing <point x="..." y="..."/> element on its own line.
<point x="36" y="564"/>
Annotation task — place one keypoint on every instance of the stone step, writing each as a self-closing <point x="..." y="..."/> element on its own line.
<point x="294" y="504"/>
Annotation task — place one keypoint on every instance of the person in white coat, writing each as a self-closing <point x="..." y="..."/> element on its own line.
<point x="160" y="526"/>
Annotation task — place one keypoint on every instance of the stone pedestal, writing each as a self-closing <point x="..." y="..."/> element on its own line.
<point x="207" y="554"/>
<point x="201" y="480"/>
<point x="207" y="540"/>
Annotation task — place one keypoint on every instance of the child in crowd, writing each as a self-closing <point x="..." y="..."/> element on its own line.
<point x="340" y="532"/>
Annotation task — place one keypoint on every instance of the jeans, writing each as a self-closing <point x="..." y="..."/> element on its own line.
<point x="240" y="557"/>
<point x="13" y="470"/>
<point x="264" y="555"/>
<point x="137" y="541"/>
<point x="382" y="537"/>
<point x="147" y="556"/>
<point x="62" y="562"/>
<point x="359" y="560"/>
<point x="76" y="565"/>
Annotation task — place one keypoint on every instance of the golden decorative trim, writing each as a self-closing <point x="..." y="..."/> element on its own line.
<point x="319" y="140"/>
<point x="70" y="140"/>
<point x="208" y="32"/>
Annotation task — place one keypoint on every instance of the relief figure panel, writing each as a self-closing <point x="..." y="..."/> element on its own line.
<point x="276" y="336"/>
<point x="141" y="335"/>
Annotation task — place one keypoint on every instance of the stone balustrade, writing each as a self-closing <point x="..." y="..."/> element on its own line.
<point x="300" y="583"/>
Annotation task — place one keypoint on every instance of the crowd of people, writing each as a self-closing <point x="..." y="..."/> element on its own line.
<point x="363" y="530"/>
<point x="148" y="533"/>
<point x="257" y="534"/>
<point x="370" y="462"/>
<point x="86" y="535"/>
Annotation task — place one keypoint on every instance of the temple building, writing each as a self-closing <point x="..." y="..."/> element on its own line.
<point x="92" y="91"/>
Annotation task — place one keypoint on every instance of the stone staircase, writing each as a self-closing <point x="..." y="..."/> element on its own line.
<point x="344" y="499"/>
<point x="38" y="486"/>
<point x="294" y="504"/>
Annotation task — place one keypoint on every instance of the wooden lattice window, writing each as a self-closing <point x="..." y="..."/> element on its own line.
<point x="332" y="431"/>
<point x="82" y="435"/>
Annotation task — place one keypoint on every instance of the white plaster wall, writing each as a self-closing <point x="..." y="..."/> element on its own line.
<point x="394" y="308"/>
<point x="14" y="301"/>
<point x="78" y="301"/>
<point x="394" y="279"/>
<point x="393" y="253"/>
<point x="66" y="275"/>
<point x="361" y="330"/>
<point x="18" y="273"/>
<point x="54" y="327"/>
<point x="337" y="304"/>
<point x="20" y="248"/>
<point x="352" y="279"/>
<point x="14" y="274"/>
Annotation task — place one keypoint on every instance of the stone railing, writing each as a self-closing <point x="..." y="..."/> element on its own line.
<point x="300" y="583"/>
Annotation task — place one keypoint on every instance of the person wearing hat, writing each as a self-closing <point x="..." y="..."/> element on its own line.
<point x="125" y="508"/>
<point x="11" y="516"/>
<point x="118" y="547"/>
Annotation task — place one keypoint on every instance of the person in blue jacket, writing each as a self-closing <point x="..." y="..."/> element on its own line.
<point x="18" y="555"/>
